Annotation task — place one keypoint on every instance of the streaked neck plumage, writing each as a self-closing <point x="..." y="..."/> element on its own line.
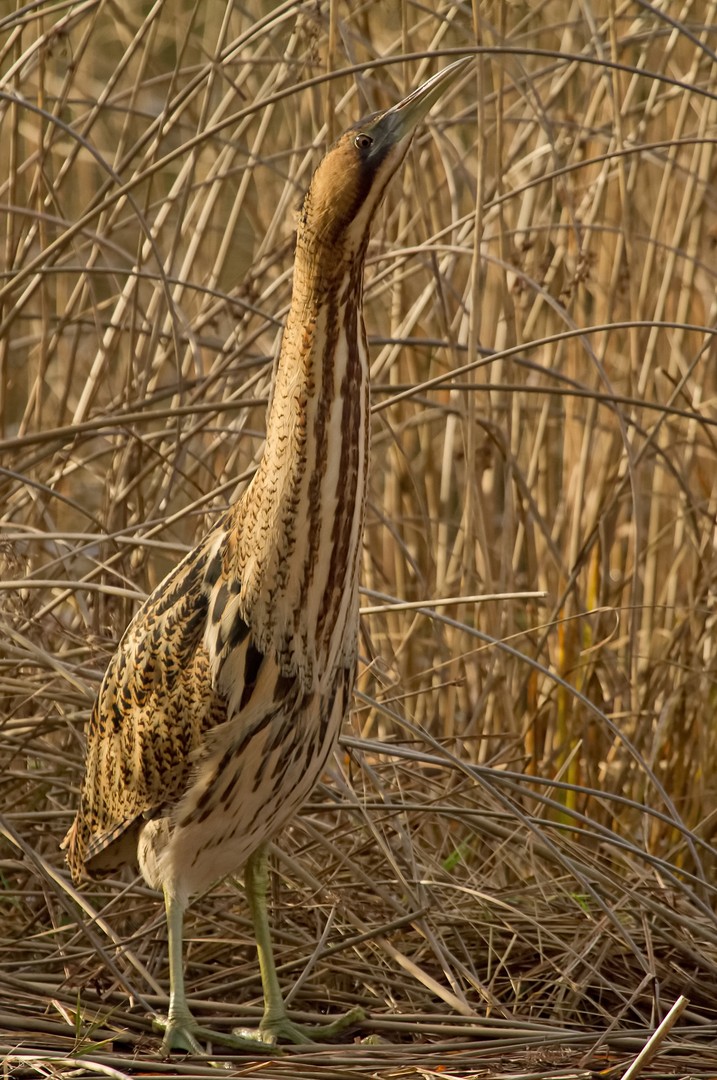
<point x="303" y="514"/>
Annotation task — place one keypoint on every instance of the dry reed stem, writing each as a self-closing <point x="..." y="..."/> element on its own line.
<point x="513" y="859"/>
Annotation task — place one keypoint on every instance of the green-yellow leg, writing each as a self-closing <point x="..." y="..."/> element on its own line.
<point x="181" y="1030"/>
<point x="275" y="1023"/>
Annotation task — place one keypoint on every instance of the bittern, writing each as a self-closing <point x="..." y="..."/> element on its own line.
<point x="225" y="696"/>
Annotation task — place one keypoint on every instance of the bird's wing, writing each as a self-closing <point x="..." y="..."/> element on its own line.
<point x="156" y="700"/>
<point x="186" y="669"/>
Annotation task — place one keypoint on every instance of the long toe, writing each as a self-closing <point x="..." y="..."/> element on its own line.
<point x="281" y="1028"/>
<point x="184" y="1033"/>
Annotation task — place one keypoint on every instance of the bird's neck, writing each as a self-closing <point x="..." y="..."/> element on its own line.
<point x="303" y="519"/>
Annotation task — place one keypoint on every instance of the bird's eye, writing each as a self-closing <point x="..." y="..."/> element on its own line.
<point x="363" y="141"/>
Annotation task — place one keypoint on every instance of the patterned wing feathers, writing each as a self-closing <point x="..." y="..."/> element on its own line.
<point x="156" y="700"/>
<point x="187" y="678"/>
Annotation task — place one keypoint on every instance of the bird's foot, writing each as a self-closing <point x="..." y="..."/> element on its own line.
<point x="182" y="1032"/>
<point x="179" y="1033"/>
<point x="279" y="1027"/>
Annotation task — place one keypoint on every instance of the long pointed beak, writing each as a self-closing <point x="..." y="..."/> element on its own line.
<point x="403" y="119"/>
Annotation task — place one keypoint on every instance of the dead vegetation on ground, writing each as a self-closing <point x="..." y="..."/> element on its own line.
<point x="512" y="864"/>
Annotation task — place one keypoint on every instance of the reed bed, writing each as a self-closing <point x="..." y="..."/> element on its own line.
<point x="511" y="863"/>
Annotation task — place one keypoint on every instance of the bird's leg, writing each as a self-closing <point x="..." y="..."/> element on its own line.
<point x="275" y="1023"/>
<point x="181" y="1030"/>
<point x="180" y="1026"/>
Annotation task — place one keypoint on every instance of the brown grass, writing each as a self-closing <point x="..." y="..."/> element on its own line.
<point x="512" y="865"/>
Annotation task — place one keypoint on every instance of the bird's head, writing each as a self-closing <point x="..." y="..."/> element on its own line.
<point x="350" y="181"/>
